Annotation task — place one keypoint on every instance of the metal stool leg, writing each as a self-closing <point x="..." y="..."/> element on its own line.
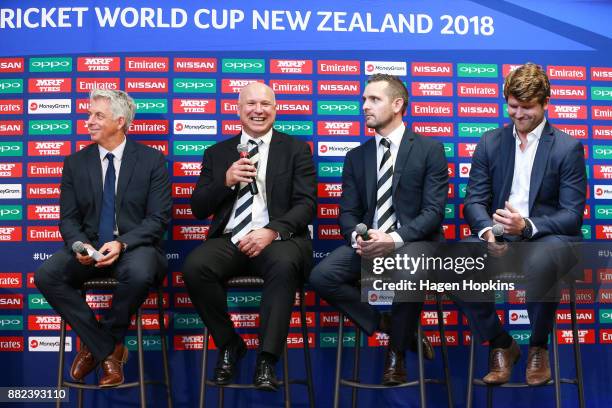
<point x="60" y="369"/>
<point x="307" y="361"/>
<point x="286" y="379"/>
<point x="356" y="363"/>
<point x="556" y="375"/>
<point x="470" y="379"/>
<point x="339" y="348"/>
<point x="221" y="397"/>
<point x="141" y="379"/>
<point x="489" y="396"/>
<point x="164" y="345"/>
<point x="420" y="360"/>
<point x="204" y="371"/>
<point x="443" y="346"/>
<point x="576" y="345"/>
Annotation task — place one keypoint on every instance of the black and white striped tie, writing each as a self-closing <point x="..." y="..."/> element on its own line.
<point x="243" y="217"/>
<point x="384" y="202"/>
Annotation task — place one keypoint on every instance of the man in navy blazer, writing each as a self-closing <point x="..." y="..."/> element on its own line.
<point x="261" y="232"/>
<point x="530" y="178"/>
<point x="418" y="187"/>
<point x="138" y="217"/>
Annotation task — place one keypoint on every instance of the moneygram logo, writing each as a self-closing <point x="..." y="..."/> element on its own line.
<point x="296" y="128"/>
<point x="146" y="84"/>
<point x="98" y="64"/>
<point x="330" y="169"/>
<point x="48" y="343"/>
<point x="601" y="93"/>
<point x="253" y="66"/>
<point x="398" y="68"/>
<point x="602" y="191"/>
<point x="11" y="107"/>
<point x="335" y="148"/>
<point x="12" y="149"/>
<point x="184" y="148"/>
<point x="10" y="191"/>
<point x="432" y="89"/>
<point x="151" y="105"/>
<point x="432" y="69"/>
<point x="11" y="212"/>
<point x="333" y="67"/>
<point x="477" y="70"/>
<point x="290" y="66"/>
<point x="338" y="108"/>
<point x="58" y="64"/>
<point x="89" y="84"/>
<point x="49" y="106"/>
<point x="11" y="65"/>
<point x="10" y="86"/>
<point x="11" y="322"/>
<point x="189" y="106"/>
<point x="195" y="65"/>
<point x="475" y="129"/>
<point x="566" y="72"/>
<point x="50" y="127"/>
<point x="194" y="85"/>
<point x="195" y="127"/>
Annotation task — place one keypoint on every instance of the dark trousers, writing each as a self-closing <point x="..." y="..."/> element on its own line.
<point x="542" y="267"/>
<point x="335" y="279"/>
<point x="215" y="261"/>
<point x="61" y="277"/>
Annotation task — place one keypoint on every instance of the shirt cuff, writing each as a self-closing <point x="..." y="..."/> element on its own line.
<point x="534" y="229"/>
<point x="483" y="231"/>
<point x="354" y="239"/>
<point x="397" y="239"/>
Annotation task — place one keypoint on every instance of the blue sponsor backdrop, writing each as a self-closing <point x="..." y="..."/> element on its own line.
<point x="453" y="57"/>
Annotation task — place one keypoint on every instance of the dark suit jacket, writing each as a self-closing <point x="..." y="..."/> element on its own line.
<point x="143" y="203"/>
<point x="557" y="189"/>
<point x="290" y="188"/>
<point x="420" y="188"/>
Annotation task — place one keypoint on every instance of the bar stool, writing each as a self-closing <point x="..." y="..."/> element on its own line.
<point x="110" y="284"/>
<point x="257" y="282"/>
<point x="556" y="381"/>
<point x="356" y="384"/>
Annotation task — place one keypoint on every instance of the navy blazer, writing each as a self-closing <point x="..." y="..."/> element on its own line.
<point x="557" y="189"/>
<point x="143" y="202"/>
<point x="420" y="188"/>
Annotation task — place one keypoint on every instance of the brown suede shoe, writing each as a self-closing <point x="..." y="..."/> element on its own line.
<point x="395" y="371"/>
<point x="538" y="367"/>
<point x="501" y="361"/>
<point x="112" y="367"/>
<point x="83" y="364"/>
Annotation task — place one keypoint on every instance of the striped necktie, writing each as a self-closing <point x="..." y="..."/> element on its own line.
<point x="384" y="202"/>
<point x="243" y="216"/>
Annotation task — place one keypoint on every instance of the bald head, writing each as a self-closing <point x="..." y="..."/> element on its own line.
<point x="257" y="109"/>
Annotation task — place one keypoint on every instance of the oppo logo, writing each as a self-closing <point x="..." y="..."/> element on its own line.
<point x="194" y="85"/>
<point x="50" y="64"/>
<point x="292" y="127"/>
<point x="150" y="342"/>
<point x="188" y="321"/>
<point x="6" y="212"/>
<point x="50" y="126"/>
<point x="9" y="322"/>
<point x="191" y="148"/>
<point x="474" y="129"/>
<point x="331" y="169"/>
<point x="150" y="105"/>
<point x="337" y="107"/>
<point x="603" y="151"/>
<point x="600" y="211"/>
<point x="10" y="85"/>
<point x="243" y="65"/>
<point x="521" y="336"/>
<point x="477" y="70"/>
<point x="10" y="148"/>
<point x="243" y="298"/>
<point x="602" y="92"/>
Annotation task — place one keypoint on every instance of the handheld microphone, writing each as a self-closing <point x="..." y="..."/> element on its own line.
<point x="79" y="248"/>
<point x="362" y="230"/>
<point x="498" y="233"/>
<point x="243" y="151"/>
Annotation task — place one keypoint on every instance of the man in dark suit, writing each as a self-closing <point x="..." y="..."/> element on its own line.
<point x="402" y="206"/>
<point x="125" y="220"/>
<point x="262" y="232"/>
<point x="530" y="178"/>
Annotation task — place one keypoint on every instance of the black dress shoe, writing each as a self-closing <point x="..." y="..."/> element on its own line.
<point x="264" y="378"/>
<point x="227" y="360"/>
<point x="428" y="351"/>
<point x="395" y="370"/>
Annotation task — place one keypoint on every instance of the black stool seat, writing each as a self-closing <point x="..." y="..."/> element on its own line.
<point x="110" y="284"/>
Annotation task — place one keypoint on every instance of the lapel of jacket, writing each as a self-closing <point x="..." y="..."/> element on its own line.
<point x="402" y="157"/>
<point x="370" y="162"/>
<point x="508" y="149"/>
<point x="275" y="153"/>
<point x="94" y="168"/>
<point x="128" y="162"/>
<point x="539" y="162"/>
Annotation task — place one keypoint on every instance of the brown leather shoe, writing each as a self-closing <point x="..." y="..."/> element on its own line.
<point x="395" y="371"/>
<point x="501" y="361"/>
<point x="538" y="367"/>
<point x="83" y="364"/>
<point x="112" y="367"/>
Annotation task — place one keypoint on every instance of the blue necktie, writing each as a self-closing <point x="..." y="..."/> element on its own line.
<point x="107" y="214"/>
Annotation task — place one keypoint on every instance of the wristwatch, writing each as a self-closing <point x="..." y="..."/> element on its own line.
<point x="528" y="230"/>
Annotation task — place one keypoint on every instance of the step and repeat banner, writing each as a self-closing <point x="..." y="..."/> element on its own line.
<point x="185" y="64"/>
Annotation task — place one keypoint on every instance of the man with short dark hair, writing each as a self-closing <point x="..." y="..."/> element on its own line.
<point x="114" y="196"/>
<point x="262" y="205"/>
<point x="397" y="183"/>
<point x="530" y="178"/>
